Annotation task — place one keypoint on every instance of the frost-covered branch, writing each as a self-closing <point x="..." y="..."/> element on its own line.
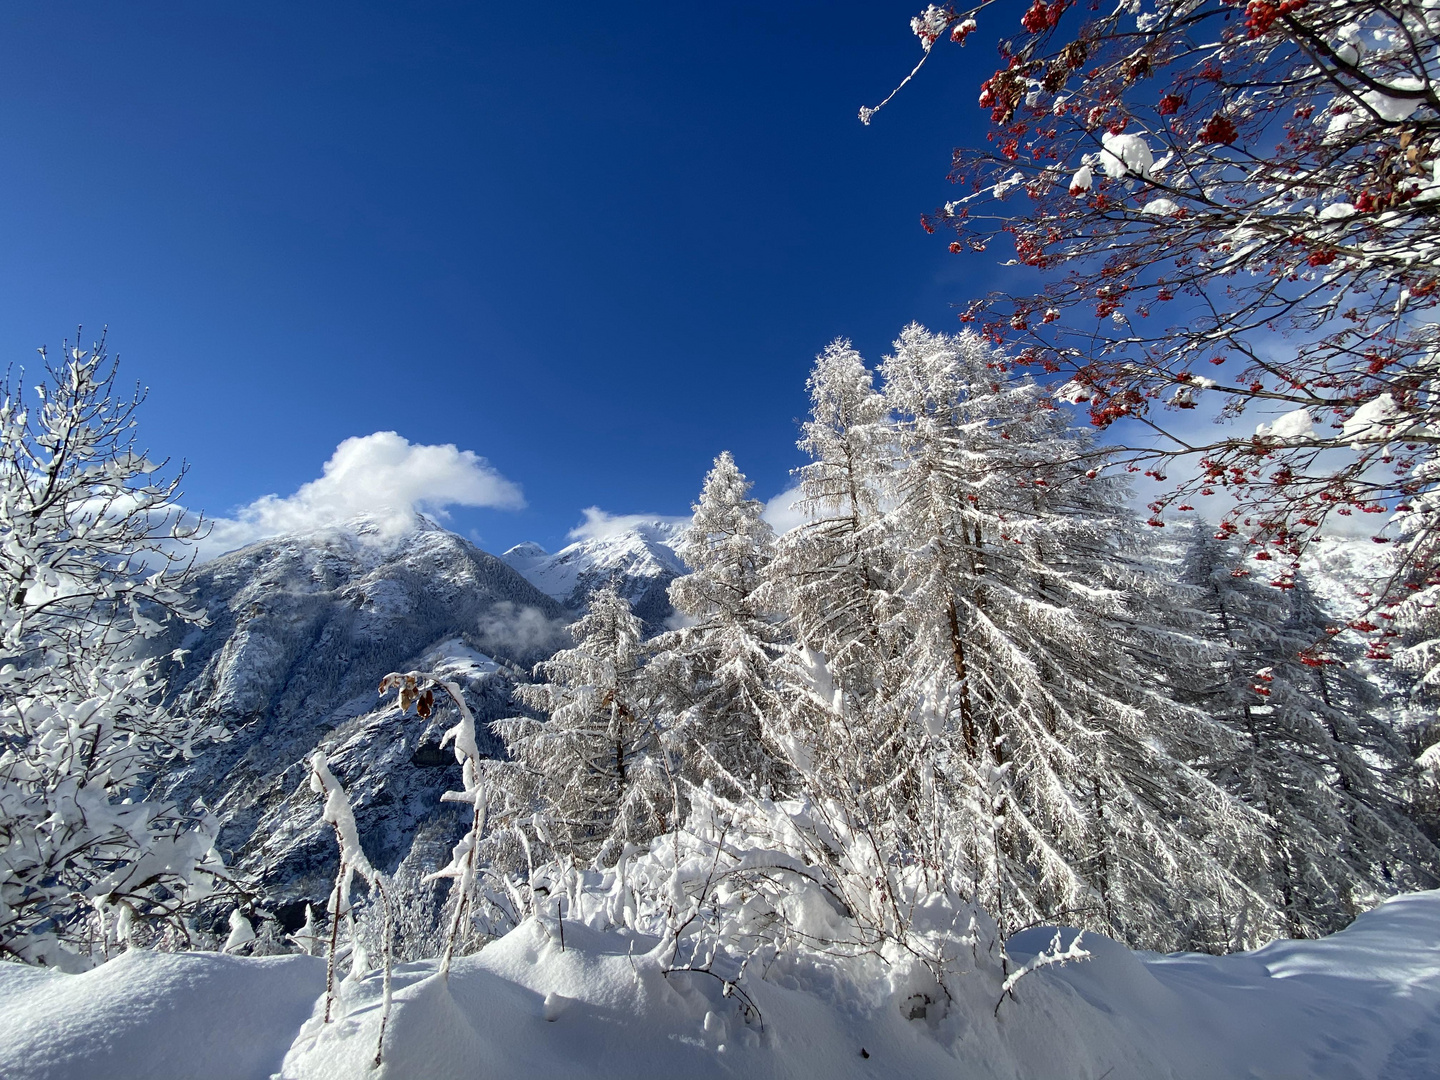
<point x="92" y="561"/>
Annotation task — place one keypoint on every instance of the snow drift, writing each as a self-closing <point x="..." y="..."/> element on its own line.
<point x="1362" y="1003"/>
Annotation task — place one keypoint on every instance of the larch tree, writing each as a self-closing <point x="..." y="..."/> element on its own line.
<point x="1065" y="771"/>
<point x="711" y="678"/>
<point x="92" y="561"/>
<point x="593" y="767"/>
<point x="832" y="569"/>
<point x="844" y="733"/>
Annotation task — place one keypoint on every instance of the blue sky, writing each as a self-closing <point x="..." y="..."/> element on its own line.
<point x="594" y="244"/>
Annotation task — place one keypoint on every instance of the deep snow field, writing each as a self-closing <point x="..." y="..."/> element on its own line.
<point x="1363" y="1003"/>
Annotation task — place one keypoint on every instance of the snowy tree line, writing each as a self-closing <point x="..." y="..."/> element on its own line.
<point x="961" y="677"/>
<point x="963" y="698"/>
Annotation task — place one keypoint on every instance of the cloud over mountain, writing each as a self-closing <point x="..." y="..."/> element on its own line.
<point x="600" y="525"/>
<point x="382" y="476"/>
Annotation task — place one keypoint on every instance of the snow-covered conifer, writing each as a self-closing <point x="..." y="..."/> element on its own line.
<point x="1060" y="764"/>
<point x="835" y="565"/>
<point x="593" y="768"/>
<point x="91" y="560"/>
<point x="840" y="678"/>
<point x="712" y="677"/>
<point x="1312" y="752"/>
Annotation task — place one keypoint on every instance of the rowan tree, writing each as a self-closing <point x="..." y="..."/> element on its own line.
<point x="1231" y="208"/>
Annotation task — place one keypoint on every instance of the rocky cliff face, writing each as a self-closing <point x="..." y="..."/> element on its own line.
<point x="301" y="630"/>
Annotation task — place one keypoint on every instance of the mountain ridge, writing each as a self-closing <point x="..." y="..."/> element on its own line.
<point x="300" y="630"/>
<point x="641" y="559"/>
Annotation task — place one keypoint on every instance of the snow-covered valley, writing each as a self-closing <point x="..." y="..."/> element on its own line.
<point x="581" y="996"/>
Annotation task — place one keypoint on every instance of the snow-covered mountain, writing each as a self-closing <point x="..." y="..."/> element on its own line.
<point x="1345" y="570"/>
<point x="640" y="558"/>
<point x="301" y="630"/>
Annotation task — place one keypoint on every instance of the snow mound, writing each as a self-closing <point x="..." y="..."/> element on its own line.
<point x="1363" y="1003"/>
<point x="1290" y="427"/>
<point x="197" y="1015"/>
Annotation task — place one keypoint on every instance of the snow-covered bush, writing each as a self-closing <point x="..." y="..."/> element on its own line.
<point x="91" y="560"/>
<point x="339" y="906"/>
<point x="490" y="868"/>
<point x="747" y="883"/>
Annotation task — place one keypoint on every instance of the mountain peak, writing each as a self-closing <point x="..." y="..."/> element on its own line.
<point x="640" y="558"/>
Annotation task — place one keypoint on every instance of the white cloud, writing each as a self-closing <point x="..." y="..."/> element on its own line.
<point x="782" y="513"/>
<point x="599" y="525"/>
<point x="382" y="476"/>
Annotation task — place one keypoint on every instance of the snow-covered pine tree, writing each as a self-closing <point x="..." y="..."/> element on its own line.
<point x="834" y="566"/>
<point x="1061" y="767"/>
<point x="1313" y="754"/>
<point x="593" y="768"/>
<point x="91" y="562"/>
<point x="855" y="754"/>
<point x="710" y="680"/>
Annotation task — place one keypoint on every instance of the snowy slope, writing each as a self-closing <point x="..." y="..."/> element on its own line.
<point x="641" y="559"/>
<point x="1363" y="1004"/>
<point x="302" y="628"/>
<point x="1341" y="568"/>
<point x="174" y="1015"/>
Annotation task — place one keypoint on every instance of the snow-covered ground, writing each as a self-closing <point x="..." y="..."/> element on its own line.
<point x="1364" y="1003"/>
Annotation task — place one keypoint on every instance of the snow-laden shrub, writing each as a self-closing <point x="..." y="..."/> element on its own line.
<point x="91" y="560"/>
